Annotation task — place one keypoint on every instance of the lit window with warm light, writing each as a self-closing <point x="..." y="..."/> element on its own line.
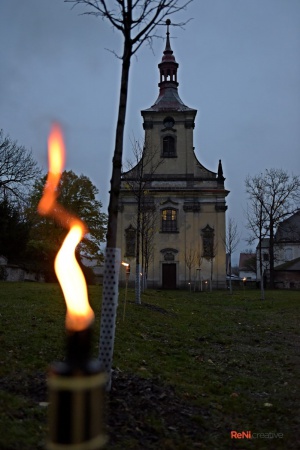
<point x="169" y="220"/>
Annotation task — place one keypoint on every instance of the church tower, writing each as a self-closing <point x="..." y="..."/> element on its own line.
<point x="182" y="205"/>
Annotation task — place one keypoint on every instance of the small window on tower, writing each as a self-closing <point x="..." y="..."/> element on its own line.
<point x="169" y="150"/>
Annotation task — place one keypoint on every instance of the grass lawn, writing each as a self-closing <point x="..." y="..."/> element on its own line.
<point x="234" y="358"/>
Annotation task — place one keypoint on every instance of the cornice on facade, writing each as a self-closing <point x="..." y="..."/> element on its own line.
<point x="190" y="206"/>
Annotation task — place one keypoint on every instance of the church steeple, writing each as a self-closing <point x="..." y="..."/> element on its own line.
<point x="168" y="99"/>
<point x="168" y="66"/>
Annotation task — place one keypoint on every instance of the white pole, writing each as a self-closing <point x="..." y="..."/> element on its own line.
<point x="109" y="309"/>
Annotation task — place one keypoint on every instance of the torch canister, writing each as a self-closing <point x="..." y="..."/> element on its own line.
<point x="76" y="400"/>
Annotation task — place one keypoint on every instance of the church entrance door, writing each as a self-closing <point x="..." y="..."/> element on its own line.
<point x="169" y="276"/>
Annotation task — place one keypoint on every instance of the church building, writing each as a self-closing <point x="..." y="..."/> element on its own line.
<point x="177" y="204"/>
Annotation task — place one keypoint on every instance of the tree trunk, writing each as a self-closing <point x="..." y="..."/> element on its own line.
<point x="137" y="257"/>
<point x="138" y="284"/>
<point x="112" y="256"/>
<point x="143" y="251"/>
<point x="271" y="251"/>
<point x="262" y="287"/>
<point x="230" y="273"/>
<point x="211" y="273"/>
<point x="115" y="182"/>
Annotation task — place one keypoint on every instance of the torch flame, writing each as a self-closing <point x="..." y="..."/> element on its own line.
<point x="56" y="159"/>
<point x="70" y="276"/>
<point x="72" y="281"/>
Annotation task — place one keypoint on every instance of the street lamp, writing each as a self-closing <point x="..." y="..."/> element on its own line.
<point x="127" y="273"/>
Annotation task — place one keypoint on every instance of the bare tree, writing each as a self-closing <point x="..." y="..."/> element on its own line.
<point x="190" y="259"/>
<point x="231" y="241"/>
<point x="274" y="195"/>
<point x="209" y="249"/>
<point x="136" y="20"/>
<point x="144" y="165"/>
<point x="213" y="250"/>
<point x="18" y="169"/>
<point x="199" y="260"/>
<point x="150" y="215"/>
<point x="258" y="226"/>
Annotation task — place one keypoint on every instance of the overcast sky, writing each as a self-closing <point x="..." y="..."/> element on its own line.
<point x="239" y="66"/>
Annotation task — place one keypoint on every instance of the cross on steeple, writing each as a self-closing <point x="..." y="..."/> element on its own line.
<point x="168" y="46"/>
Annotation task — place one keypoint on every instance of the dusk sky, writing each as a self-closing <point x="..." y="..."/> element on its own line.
<point x="239" y="66"/>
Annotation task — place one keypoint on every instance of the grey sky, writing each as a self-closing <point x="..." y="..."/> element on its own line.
<point x="239" y="66"/>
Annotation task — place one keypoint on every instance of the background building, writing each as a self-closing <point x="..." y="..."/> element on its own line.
<point x="286" y="252"/>
<point x="247" y="266"/>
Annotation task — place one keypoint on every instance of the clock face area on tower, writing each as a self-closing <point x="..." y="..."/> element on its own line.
<point x="169" y="122"/>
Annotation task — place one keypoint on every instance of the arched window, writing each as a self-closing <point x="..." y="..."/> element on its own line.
<point x="169" y="150"/>
<point x="208" y="245"/>
<point x="130" y="237"/>
<point x="168" y="220"/>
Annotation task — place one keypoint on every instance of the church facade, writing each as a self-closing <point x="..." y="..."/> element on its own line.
<point x="177" y="204"/>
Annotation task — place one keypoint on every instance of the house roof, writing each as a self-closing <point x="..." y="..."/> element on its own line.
<point x="292" y="265"/>
<point x="289" y="229"/>
<point x="244" y="259"/>
<point x="265" y="243"/>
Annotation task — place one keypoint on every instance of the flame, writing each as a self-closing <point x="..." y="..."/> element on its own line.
<point x="72" y="281"/>
<point x="125" y="264"/>
<point x="70" y="276"/>
<point x="56" y="160"/>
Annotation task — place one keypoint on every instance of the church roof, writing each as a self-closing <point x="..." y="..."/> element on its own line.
<point x="168" y="98"/>
<point x="245" y="259"/>
<point x="289" y="229"/>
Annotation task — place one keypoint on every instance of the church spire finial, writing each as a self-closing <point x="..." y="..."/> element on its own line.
<point x="168" y="45"/>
